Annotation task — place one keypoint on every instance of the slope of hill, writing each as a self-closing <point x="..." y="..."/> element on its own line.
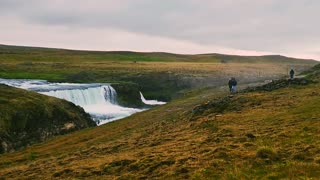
<point x="37" y="54"/>
<point x="255" y="134"/>
<point x="28" y="117"/>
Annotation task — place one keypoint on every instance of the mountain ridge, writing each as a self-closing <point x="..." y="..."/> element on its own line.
<point x="183" y="57"/>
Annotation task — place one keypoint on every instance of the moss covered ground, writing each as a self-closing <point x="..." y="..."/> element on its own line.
<point x="28" y="117"/>
<point x="252" y="135"/>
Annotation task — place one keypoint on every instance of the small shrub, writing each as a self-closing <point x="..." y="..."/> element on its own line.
<point x="32" y="156"/>
<point x="5" y="164"/>
<point x="182" y="170"/>
<point x="26" y="64"/>
<point x="267" y="153"/>
<point x="61" y="173"/>
<point x="303" y="156"/>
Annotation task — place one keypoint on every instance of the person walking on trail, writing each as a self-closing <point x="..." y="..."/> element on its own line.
<point x="291" y="74"/>
<point x="232" y="85"/>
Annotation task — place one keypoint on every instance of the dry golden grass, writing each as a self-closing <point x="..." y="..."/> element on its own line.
<point x="259" y="135"/>
<point x="174" y="67"/>
<point x="192" y="74"/>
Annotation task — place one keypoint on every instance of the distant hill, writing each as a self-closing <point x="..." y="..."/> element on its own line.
<point x="38" y="54"/>
<point x="28" y="117"/>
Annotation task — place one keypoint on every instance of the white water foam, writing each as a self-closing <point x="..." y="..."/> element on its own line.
<point x="151" y="102"/>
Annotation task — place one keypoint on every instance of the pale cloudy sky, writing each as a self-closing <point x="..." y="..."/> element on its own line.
<point x="251" y="27"/>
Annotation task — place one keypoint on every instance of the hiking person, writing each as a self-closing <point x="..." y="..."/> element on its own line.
<point x="230" y="85"/>
<point x="234" y="85"/>
<point x="291" y="74"/>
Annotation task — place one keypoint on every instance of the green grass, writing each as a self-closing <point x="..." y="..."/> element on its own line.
<point x="30" y="75"/>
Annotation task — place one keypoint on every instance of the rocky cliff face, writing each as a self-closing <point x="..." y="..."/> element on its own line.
<point x="27" y="118"/>
<point x="128" y="94"/>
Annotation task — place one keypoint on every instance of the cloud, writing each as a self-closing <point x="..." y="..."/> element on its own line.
<point x="284" y="27"/>
<point x="103" y="39"/>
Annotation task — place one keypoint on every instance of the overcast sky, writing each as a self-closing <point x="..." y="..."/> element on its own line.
<point x="250" y="27"/>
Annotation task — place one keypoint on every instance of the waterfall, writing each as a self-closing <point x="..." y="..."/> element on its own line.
<point x="151" y="102"/>
<point x="99" y="100"/>
<point x="104" y="94"/>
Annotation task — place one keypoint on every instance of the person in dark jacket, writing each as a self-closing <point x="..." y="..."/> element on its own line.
<point x="232" y="85"/>
<point x="291" y="74"/>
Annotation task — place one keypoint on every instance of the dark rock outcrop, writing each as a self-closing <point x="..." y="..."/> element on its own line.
<point x="218" y="107"/>
<point x="128" y="94"/>
<point x="277" y="84"/>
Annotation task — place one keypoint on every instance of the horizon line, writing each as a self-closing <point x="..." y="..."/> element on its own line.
<point x="167" y="52"/>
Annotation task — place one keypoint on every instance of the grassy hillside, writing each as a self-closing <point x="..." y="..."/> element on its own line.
<point x="28" y="117"/>
<point x="158" y="75"/>
<point x="207" y="134"/>
<point x="31" y="54"/>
